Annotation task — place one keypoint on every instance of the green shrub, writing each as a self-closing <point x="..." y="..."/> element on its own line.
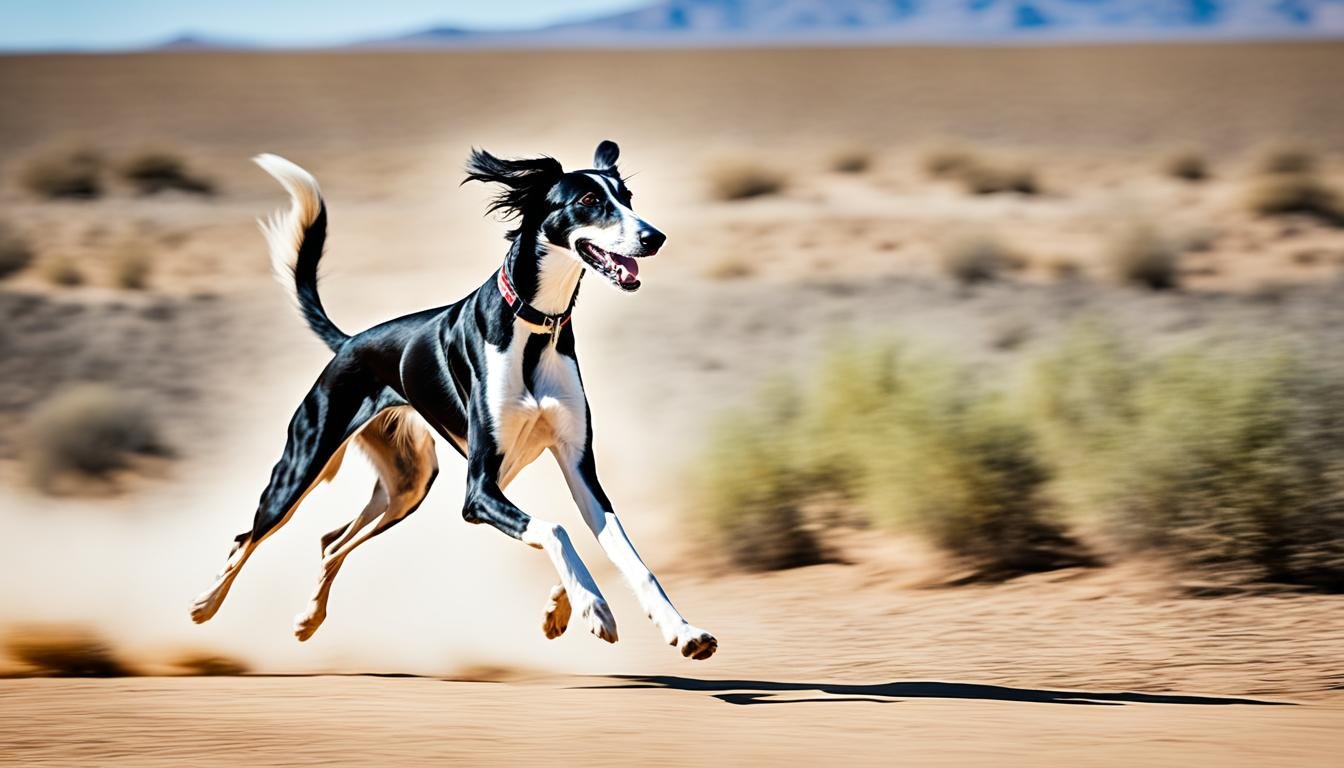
<point x="742" y="180"/>
<point x="752" y="491"/>
<point x="1141" y="256"/>
<point x="1238" y="462"/>
<point x="1216" y="460"/>
<point x="15" y="254"/>
<point x="905" y="444"/>
<point x="73" y="173"/>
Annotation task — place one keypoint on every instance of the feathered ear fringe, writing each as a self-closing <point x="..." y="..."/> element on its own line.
<point x="525" y="182"/>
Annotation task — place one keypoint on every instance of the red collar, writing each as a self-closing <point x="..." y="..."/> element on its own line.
<point x="527" y="312"/>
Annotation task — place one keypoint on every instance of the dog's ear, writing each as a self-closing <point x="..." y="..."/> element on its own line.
<point x="525" y="182"/>
<point x="604" y="159"/>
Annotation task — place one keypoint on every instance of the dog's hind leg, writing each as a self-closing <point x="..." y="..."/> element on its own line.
<point x="403" y="454"/>
<point x="341" y="401"/>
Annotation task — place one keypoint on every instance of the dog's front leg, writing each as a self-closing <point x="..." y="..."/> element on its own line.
<point x="581" y="474"/>
<point x="485" y="503"/>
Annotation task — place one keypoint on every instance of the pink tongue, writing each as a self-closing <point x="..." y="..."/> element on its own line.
<point x="630" y="266"/>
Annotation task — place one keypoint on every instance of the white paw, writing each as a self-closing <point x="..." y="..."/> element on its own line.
<point x="205" y="606"/>
<point x="305" y="624"/>
<point x="695" y="643"/>
<point x="597" y="614"/>
<point x="558" y="610"/>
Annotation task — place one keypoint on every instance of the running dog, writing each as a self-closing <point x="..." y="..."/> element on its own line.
<point x="494" y="374"/>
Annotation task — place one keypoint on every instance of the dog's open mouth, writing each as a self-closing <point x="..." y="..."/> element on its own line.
<point x="622" y="271"/>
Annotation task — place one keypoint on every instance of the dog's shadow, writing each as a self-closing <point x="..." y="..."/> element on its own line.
<point x="748" y="692"/>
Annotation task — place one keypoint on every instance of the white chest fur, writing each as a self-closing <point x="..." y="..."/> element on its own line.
<point x="526" y="420"/>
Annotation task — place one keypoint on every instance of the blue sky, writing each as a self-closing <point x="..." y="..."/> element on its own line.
<point x="44" y="24"/>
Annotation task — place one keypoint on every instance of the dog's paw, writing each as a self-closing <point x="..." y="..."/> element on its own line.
<point x="306" y="623"/>
<point x="205" y="606"/>
<point x="695" y="643"/>
<point x="596" y="614"/>
<point x="558" y="610"/>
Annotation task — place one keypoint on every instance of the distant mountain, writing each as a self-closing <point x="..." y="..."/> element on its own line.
<point x="191" y="41"/>
<point x="766" y="22"/>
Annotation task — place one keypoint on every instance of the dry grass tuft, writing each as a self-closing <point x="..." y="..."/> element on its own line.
<point x="978" y="259"/>
<point x="1187" y="165"/>
<point x="63" y="271"/>
<point x="155" y="171"/>
<point x="1287" y="159"/>
<point x="63" y="651"/>
<point x="87" y="430"/>
<point x="1141" y="256"/>
<point x="731" y="268"/>
<point x="988" y="179"/>
<point x="853" y="160"/>
<point x="131" y="268"/>
<point x="948" y="162"/>
<point x="743" y="180"/>
<point x="1066" y="269"/>
<point x="15" y="253"/>
<point x="70" y="173"/>
<point x="1299" y="193"/>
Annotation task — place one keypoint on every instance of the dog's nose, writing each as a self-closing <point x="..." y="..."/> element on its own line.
<point x="651" y="239"/>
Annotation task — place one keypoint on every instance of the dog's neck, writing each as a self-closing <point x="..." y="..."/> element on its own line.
<point x="544" y="275"/>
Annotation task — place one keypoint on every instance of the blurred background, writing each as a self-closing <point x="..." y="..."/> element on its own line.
<point x="994" y="340"/>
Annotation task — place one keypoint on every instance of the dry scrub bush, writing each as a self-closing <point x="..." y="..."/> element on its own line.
<point x="906" y="445"/>
<point x="986" y="179"/>
<point x="852" y="160"/>
<point x="978" y="259"/>
<point x="1231" y="462"/>
<point x="88" y="430"/>
<point x="742" y="180"/>
<point x="62" y="271"/>
<point x="978" y="175"/>
<point x="751" y="496"/>
<point x="1139" y="255"/>
<point x="1287" y="159"/>
<point x="1296" y="193"/>
<point x="154" y="171"/>
<point x="75" y="173"/>
<point x="731" y="268"/>
<point x="948" y="162"/>
<point x="15" y="254"/>
<point x="1187" y="165"/>
<point x="131" y="268"/>
<point x="61" y="651"/>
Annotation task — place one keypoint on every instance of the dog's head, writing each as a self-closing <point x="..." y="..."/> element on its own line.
<point x="588" y="213"/>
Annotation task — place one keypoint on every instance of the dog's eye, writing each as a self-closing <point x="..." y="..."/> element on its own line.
<point x="588" y="199"/>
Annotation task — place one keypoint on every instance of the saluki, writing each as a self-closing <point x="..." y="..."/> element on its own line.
<point x="494" y="374"/>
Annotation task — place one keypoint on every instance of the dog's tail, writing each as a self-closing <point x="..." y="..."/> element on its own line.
<point x="296" y="237"/>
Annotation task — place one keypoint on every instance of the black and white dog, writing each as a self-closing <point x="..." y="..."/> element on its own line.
<point x="494" y="374"/>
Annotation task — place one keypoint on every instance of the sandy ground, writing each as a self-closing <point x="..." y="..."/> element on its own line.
<point x="1100" y="672"/>
<point x="1113" y="666"/>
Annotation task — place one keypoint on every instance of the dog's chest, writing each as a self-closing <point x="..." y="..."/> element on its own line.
<point x="532" y="408"/>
